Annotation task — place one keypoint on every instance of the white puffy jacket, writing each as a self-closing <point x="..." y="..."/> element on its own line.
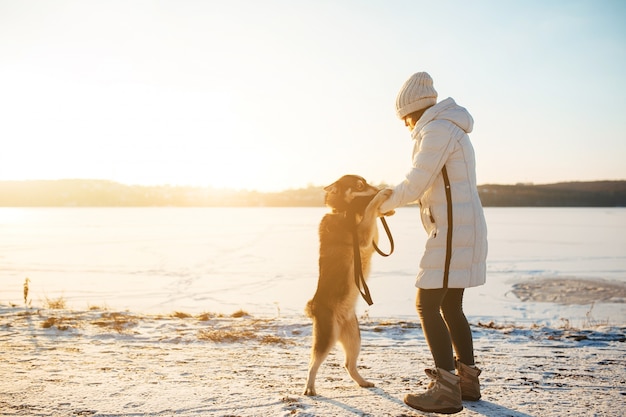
<point x="441" y="139"/>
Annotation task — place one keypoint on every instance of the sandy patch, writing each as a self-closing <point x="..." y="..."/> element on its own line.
<point x="571" y="291"/>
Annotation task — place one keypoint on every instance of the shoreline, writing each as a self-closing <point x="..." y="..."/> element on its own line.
<point x="103" y="363"/>
<point x="541" y="300"/>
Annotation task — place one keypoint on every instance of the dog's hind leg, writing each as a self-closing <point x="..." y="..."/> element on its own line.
<point x="324" y="338"/>
<point x="350" y="339"/>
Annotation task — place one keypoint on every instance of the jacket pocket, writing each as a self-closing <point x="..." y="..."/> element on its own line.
<point x="428" y="219"/>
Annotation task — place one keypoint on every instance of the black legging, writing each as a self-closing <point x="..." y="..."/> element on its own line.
<point x="444" y="325"/>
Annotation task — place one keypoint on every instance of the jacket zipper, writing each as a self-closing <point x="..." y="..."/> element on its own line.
<point x="446" y="271"/>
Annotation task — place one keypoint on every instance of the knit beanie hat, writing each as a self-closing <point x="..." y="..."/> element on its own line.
<point x="416" y="94"/>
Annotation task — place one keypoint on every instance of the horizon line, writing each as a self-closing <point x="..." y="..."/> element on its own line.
<point x="310" y="185"/>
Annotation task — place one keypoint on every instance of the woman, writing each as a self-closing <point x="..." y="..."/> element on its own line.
<point x="443" y="181"/>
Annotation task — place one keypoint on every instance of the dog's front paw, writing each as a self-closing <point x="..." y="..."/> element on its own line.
<point x="310" y="392"/>
<point x="386" y="193"/>
<point x="381" y="197"/>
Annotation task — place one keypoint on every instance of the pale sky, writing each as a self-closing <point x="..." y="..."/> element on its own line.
<point x="277" y="94"/>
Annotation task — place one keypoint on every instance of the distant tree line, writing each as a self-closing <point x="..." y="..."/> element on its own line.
<point x="566" y="194"/>
<point x="100" y="193"/>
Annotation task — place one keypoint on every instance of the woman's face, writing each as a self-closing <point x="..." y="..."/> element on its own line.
<point x="410" y="123"/>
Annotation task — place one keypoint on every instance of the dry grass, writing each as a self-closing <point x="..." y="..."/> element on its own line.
<point x="239" y="313"/>
<point x="224" y="329"/>
<point x="205" y="316"/>
<point x="116" y="321"/>
<point x="275" y="340"/>
<point x="235" y="335"/>
<point x="55" y="304"/>
<point x="226" y="335"/>
<point x="243" y="332"/>
<point x="590" y="322"/>
<point x="26" y="284"/>
<point x="493" y="325"/>
<point x="61" y="323"/>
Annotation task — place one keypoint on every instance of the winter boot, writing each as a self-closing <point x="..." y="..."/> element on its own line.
<point x="470" y="386"/>
<point x="443" y="394"/>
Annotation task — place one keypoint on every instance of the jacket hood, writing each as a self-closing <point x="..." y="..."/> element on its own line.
<point x="447" y="110"/>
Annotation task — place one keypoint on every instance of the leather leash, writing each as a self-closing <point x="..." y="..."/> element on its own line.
<point x="359" y="279"/>
<point x="381" y="253"/>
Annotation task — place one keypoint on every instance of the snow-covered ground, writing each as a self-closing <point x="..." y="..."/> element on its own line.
<point x="106" y="363"/>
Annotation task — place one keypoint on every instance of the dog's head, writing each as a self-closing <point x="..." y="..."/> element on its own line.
<point x="349" y="193"/>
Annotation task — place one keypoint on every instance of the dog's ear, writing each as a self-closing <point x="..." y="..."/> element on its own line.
<point x="332" y="188"/>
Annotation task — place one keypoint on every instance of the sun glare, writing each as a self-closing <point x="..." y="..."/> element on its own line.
<point x="10" y="215"/>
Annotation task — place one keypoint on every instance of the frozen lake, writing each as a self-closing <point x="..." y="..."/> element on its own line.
<point x="264" y="260"/>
